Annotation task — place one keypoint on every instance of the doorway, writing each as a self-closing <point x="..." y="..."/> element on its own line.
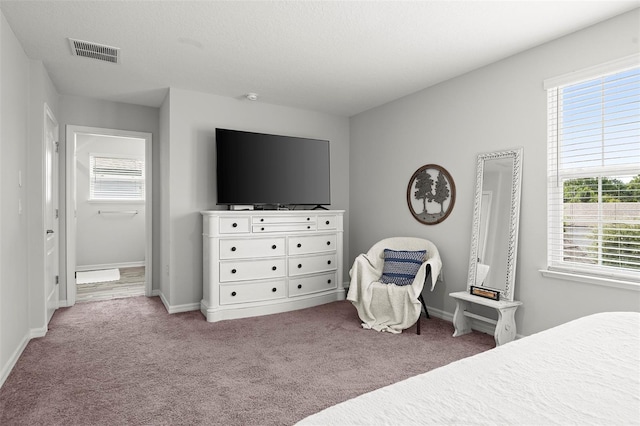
<point x="108" y="214"/>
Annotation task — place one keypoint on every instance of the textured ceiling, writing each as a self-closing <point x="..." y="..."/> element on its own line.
<point x="341" y="57"/>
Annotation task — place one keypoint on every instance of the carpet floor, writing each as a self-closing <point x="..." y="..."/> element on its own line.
<point x="127" y="361"/>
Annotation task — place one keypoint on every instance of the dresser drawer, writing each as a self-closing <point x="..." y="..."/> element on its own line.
<point x="251" y="292"/>
<point x="304" y="285"/>
<point x="246" y="248"/>
<point x="234" y="225"/>
<point x="251" y="270"/>
<point x="327" y="222"/>
<point x="310" y="264"/>
<point x="312" y="244"/>
<point x="265" y="220"/>
<point x="283" y="227"/>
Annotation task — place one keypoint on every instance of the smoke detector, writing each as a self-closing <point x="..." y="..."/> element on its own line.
<point x="97" y="51"/>
<point x="251" y="96"/>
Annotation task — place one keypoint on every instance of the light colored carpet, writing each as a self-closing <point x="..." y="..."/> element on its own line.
<point x="99" y="276"/>
<point x="129" y="362"/>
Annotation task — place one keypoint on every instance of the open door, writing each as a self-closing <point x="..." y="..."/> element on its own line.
<point x="51" y="248"/>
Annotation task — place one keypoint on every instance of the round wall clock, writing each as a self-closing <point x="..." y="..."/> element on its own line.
<point x="431" y="194"/>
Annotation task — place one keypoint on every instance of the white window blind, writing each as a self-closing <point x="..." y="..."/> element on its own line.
<point x="116" y="178"/>
<point x="594" y="175"/>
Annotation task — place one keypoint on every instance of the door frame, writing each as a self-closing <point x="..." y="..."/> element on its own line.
<point x="72" y="132"/>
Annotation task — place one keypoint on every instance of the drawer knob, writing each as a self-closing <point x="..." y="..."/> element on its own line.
<point x="326" y="223"/>
<point x="233" y="271"/>
<point x="273" y="247"/>
<point x="328" y="262"/>
<point x="262" y="220"/>
<point x="235" y="225"/>
<point x="328" y="243"/>
<point x="274" y="289"/>
<point x="308" y="218"/>
<point x="308" y="227"/>
<point x="299" y="245"/>
<point x="273" y="268"/>
<point x="233" y="249"/>
<point x="299" y="265"/>
<point x="233" y="293"/>
<point x="328" y="281"/>
<point x="262" y="229"/>
<point x="299" y="285"/>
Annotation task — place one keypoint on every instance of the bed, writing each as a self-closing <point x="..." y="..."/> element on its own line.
<point x="586" y="371"/>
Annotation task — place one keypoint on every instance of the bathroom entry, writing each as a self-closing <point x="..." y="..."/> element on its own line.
<point x="111" y="241"/>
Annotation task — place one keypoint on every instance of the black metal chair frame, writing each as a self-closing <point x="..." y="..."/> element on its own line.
<point x="421" y="299"/>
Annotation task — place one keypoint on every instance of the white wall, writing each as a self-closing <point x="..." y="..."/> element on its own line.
<point x="190" y="155"/>
<point x="24" y="87"/>
<point x="107" y="239"/>
<point x="14" y="293"/>
<point x="162" y="246"/>
<point x="81" y="111"/>
<point x="500" y="106"/>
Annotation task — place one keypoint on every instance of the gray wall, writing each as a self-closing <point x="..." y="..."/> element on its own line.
<point x="81" y="111"/>
<point x="188" y="156"/>
<point x="502" y="105"/>
<point x="109" y="240"/>
<point x="14" y="302"/>
<point x="24" y="87"/>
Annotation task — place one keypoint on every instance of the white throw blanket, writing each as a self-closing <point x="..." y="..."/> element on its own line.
<point x="388" y="307"/>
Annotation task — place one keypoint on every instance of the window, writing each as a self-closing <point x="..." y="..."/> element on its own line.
<point x="116" y="178"/>
<point x="594" y="172"/>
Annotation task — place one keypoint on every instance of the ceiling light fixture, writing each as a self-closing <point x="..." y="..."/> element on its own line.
<point x="252" y="96"/>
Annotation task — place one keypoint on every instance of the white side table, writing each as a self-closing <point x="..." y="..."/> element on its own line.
<point x="505" y="326"/>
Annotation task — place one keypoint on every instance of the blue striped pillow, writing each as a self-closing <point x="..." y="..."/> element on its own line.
<point x="401" y="267"/>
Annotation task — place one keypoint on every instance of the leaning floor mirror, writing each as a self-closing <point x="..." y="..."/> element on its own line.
<point x="496" y="215"/>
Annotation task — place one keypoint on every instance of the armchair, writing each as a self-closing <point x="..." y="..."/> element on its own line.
<point x="391" y="307"/>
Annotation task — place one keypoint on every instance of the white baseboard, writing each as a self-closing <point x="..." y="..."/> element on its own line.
<point x="447" y="316"/>
<point x="62" y="303"/>
<point x="13" y="359"/>
<point x="83" y="268"/>
<point x="477" y="325"/>
<point x="175" y="309"/>
<point x="38" y="332"/>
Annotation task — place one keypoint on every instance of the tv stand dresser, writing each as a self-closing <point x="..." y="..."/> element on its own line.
<point x="262" y="262"/>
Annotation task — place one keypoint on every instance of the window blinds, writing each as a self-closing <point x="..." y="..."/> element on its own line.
<point x="594" y="175"/>
<point x="113" y="178"/>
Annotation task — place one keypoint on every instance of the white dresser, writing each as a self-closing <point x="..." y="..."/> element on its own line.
<point x="263" y="262"/>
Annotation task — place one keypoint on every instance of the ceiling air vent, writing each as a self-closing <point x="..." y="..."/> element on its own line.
<point x="95" y="51"/>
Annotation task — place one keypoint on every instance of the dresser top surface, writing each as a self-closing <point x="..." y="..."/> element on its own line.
<point x="269" y="212"/>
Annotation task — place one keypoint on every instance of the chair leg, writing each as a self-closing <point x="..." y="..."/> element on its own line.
<point x="424" y="305"/>
<point x="421" y="299"/>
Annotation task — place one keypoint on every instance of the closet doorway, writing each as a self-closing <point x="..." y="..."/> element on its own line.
<point x="108" y="214"/>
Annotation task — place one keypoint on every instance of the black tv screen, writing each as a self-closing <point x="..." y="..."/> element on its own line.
<point x="262" y="169"/>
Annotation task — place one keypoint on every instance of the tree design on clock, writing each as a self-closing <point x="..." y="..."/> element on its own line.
<point x="431" y="194"/>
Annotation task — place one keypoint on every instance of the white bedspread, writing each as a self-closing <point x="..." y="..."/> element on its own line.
<point x="584" y="372"/>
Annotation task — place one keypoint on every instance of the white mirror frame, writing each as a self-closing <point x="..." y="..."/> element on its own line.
<point x="507" y="292"/>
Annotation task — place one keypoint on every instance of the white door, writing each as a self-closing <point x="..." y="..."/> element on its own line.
<point x="51" y="212"/>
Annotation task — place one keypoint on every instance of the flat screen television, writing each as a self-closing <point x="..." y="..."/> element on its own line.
<point x="270" y="170"/>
